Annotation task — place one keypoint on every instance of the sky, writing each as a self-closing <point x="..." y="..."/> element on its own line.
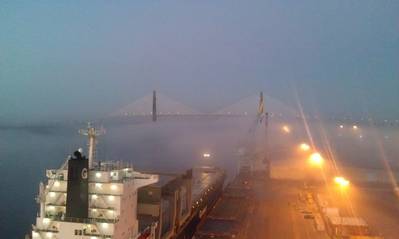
<point x="74" y="59"/>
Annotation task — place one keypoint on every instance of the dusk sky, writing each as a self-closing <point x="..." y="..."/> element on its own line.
<point x="72" y="58"/>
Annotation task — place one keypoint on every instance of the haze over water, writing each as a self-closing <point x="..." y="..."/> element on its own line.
<point x="168" y="145"/>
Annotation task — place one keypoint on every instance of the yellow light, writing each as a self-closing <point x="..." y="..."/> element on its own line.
<point x="51" y="208"/>
<point x="99" y="185"/>
<point x="56" y="184"/>
<point x="35" y="234"/>
<point x="286" y="129"/>
<point x="49" y="234"/>
<point x="111" y="198"/>
<point x="338" y="180"/>
<point x="341" y="181"/>
<point x="46" y="220"/>
<point x="94" y="197"/>
<point x="206" y="155"/>
<point x="355" y="127"/>
<point x="98" y="175"/>
<point x="345" y="183"/>
<point x="114" y="187"/>
<point x="341" y="126"/>
<point x="304" y="147"/>
<point x="316" y="159"/>
<point x="52" y="194"/>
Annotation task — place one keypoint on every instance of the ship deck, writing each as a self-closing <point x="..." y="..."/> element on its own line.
<point x="228" y="215"/>
<point x="203" y="179"/>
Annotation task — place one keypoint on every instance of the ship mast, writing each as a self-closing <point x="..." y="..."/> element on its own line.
<point x="92" y="134"/>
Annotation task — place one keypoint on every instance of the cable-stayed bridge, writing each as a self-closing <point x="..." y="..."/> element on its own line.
<point x="156" y="105"/>
<point x="164" y="104"/>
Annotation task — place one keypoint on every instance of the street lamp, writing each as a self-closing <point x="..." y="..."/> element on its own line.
<point x="316" y="159"/>
<point x="304" y="147"/>
<point x="341" y="181"/>
<point x="286" y="129"/>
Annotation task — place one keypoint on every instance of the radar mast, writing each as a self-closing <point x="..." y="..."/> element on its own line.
<point x="92" y="133"/>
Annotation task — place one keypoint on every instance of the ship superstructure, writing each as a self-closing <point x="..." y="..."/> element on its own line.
<point x="100" y="201"/>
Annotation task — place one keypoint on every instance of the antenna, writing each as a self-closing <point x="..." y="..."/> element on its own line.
<point x="92" y="134"/>
<point x="154" y="106"/>
<point x="261" y="107"/>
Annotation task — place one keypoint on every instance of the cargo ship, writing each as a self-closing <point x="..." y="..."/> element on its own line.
<point x="231" y="215"/>
<point x="89" y="199"/>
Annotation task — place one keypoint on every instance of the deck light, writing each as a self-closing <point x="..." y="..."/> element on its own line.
<point x="206" y="155"/>
<point x="104" y="225"/>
